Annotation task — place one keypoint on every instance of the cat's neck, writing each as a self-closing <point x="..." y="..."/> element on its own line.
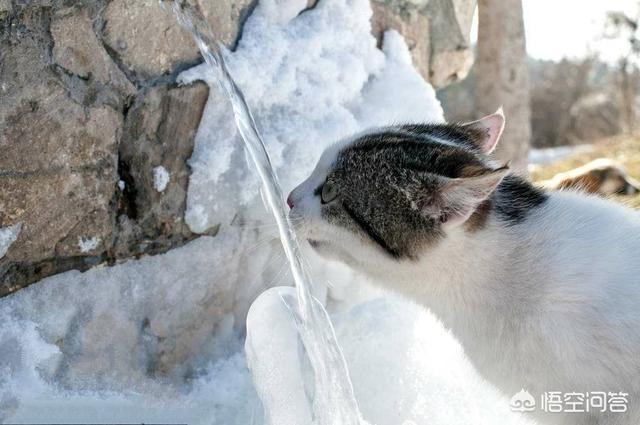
<point x="475" y="260"/>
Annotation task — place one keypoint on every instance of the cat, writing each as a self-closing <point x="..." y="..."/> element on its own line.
<point x="542" y="289"/>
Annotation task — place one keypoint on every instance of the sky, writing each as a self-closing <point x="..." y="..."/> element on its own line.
<point x="570" y="28"/>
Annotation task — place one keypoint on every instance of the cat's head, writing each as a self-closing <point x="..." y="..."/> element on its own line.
<point x="389" y="194"/>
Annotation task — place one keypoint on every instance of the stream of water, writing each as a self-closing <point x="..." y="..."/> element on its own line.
<point x="333" y="401"/>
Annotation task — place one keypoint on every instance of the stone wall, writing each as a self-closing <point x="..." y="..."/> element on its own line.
<point x="89" y="107"/>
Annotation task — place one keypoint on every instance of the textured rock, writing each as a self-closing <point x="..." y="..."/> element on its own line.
<point x="411" y="23"/>
<point x="159" y="131"/>
<point x="226" y="17"/>
<point x="77" y="49"/>
<point x="57" y="179"/>
<point x="146" y="38"/>
<point x="70" y="122"/>
<point x="59" y="152"/>
<point x="148" y="41"/>
<point x="437" y="33"/>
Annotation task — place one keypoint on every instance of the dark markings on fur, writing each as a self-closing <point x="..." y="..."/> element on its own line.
<point x="515" y="198"/>
<point x="418" y="154"/>
<point x="465" y="137"/>
<point x="370" y="231"/>
<point x="386" y="181"/>
<point x="318" y="190"/>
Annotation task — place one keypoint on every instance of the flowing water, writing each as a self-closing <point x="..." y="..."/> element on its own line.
<point x="334" y="402"/>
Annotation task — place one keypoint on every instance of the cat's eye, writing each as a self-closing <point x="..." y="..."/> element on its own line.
<point x="329" y="193"/>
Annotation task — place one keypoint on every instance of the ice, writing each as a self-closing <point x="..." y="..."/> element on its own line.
<point x="334" y="401"/>
<point x="405" y="368"/>
<point x="275" y="358"/>
<point x="160" y="178"/>
<point x="8" y="235"/>
<point x="89" y="244"/>
<point x="160" y="339"/>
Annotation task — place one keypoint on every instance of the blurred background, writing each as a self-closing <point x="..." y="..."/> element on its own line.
<point x="572" y="98"/>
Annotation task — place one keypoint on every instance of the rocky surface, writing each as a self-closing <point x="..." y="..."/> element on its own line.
<point x="437" y="33"/>
<point x="89" y="107"/>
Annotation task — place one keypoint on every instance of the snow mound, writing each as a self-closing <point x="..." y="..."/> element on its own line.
<point x="8" y="235"/>
<point x="88" y="245"/>
<point x="310" y="79"/>
<point x="160" y="178"/>
<point x="405" y="369"/>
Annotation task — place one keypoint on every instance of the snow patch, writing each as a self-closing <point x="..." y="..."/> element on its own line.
<point x="161" y="178"/>
<point x="128" y="342"/>
<point x="88" y="245"/>
<point x="8" y="236"/>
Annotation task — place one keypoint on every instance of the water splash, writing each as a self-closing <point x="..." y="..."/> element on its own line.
<point x="334" y="401"/>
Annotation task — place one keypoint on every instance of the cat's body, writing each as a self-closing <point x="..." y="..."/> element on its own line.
<point x="541" y="289"/>
<point x="551" y="304"/>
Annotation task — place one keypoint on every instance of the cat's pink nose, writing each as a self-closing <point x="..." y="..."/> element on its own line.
<point x="290" y="201"/>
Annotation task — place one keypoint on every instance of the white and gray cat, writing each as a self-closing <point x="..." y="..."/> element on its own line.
<point x="542" y="289"/>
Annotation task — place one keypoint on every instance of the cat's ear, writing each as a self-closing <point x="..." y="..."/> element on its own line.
<point x="457" y="198"/>
<point x="489" y="130"/>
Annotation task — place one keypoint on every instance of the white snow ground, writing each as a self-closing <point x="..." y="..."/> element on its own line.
<point x="160" y="339"/>
<point x="8" y="235"/>
<point x="161" y="178"/>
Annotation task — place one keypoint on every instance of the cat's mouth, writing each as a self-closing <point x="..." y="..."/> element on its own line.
<point x="331" y="251"/>
<point x="316" y="244"/>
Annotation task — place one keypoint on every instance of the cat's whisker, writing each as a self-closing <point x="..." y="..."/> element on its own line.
<point x="271" y="263"/>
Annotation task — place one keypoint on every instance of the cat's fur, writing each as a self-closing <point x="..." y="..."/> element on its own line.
<point x="542" y="289"/>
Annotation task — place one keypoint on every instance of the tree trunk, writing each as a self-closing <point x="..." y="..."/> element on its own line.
<point x="628" y="95"/>
<point x="502" y="76"/>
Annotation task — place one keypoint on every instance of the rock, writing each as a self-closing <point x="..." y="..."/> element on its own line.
<point x="226" y="17"/>
<point x="58" y="179"/>
<point x="159" y="132"/>
<point x="147" y="38"/>
<point x="411" y="23"/>
<point x="5" y="8"/>
<point x="437" y="33"/>
<point x="58" y="136"/>
<point x="54" y="134"/>
<point x="77" y="49"/>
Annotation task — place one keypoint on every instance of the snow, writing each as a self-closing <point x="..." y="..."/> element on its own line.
<point x="160" y="339"/>
<point x="302" y="102"/>
<point x="405" y="369"/>
<point x="89" y="244"/>
<point x="126" y="343"/>
<point x="550" y="155"/>
<point x="161" y="178"/>
<point x="121" y="184"/>
<point x="8" y="235"/>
